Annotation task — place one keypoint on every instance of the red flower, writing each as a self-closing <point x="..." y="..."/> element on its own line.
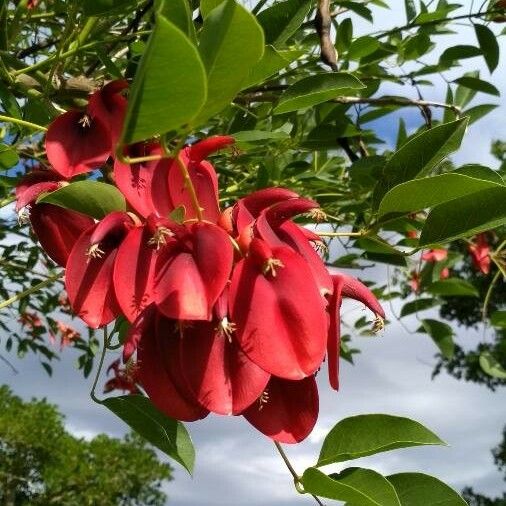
<point x="480" y="253"/>
<point x="124" y="378"/>
<point x="435" y="255"/>
<point x="414" y="281"/>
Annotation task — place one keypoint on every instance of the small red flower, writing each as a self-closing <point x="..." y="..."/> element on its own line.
<point x="480" y="253"/>
<point x="435" y="255"/>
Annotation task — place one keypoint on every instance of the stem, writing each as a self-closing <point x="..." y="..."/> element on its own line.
<point x="99" y="370"/>
<point x="340" y="234"/>
<point x="489" y="295"/>
<point x="21" y="122"/>
<point x="296" y="477"/>
<point x="31" y="290"/>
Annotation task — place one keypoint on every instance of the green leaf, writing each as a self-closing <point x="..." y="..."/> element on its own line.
<point x="362" y="435"/>
<point x="178" y="12"/>
<point x="418" y="156"/>
<point x="206" y="6"/>
<point x="315" y="89"/>
<point x="227" y="58"/>
<point x="271" y="63"/>
<point x="491" y="366"/>
<point x="453" y="287"/>
<point x="355" y="485"/>
<point x="363" y="46"/>
<point x="465" y="216"/>
<point x="464" y="95"/>
<point x="8" y="102"/>
<point x="480" y="172"/>
<point x="459" y="52"/>
<point x="169" y="88"/>
<point x="418" y="489"/>
<point x="478" y="111"/>
<point x="498" y="319"/>
<point x="410" y="8"/>
<point x="418" y="305"/>
<point x="168" y="435"/>
<point x="477" y="84"/>
<point x="442" y="335"/>
<point x="282" y="20"/>
<point x="259" y="136"/>
<point x="489" y="46"/>
<point x="88" y="197"/>
<point x="8" y="157"/>
<point x="105" y="7"/>
<point x="428" y="192"/>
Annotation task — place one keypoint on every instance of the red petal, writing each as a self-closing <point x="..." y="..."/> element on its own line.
<point x="134" y="273"/>
<point x="334" y="338"/>
<point x="202" y="149"/>
<point x="155" y="379"/>
<point x="205" y="182"/>
<point x="58" y="229"/>
<point x="354" y="289"/>
<point x="219" y="374"/>
<point x="290" y="412"/>
<point x="75" y="149"/>
<point x="281" y="321"/>
<point x="31" y="194"/>
<point x="89" y="283"/>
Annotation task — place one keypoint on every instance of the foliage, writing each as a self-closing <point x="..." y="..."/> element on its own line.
<point x="41" y="463"/>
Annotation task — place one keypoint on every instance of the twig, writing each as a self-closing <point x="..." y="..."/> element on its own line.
<point x="6" y="361"/>
<point x="100" y="365"/>
<point x="323" y="23"/>
<point x="29" y="291"/>
<point x="34" y="48"/>
<point x="21" y="122"/>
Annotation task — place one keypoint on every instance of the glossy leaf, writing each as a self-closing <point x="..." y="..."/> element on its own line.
<point x="88" y="197"/>
<point x="169" y="88"/>
<point x="8" y="157"/>
<point x="362" y="435"/>
<point x="491" y="366"/>
<point x="442" y="335"/>
<point x="315" y="90"/>
<point x="498" y="319"/>
<point x="168" y="435"/>
<point x="355" y="485"/>
<point x="429" y="192"/>
<point x="363" y="46"/>
<point x="282" y="20"/>
<point x="418" y="305"/>
<point x="453" y="287"/>
<point x="206" y="6"/>
<point x="418" y="489"/>
<point x="479" y="111"/>
<point x="179" y="13"/>
<point x="459" y="52"/>
<point x="478" y="85"/>
<point x="483" y="210"/>
<point x="227" y="58"/>
<point x="489" y="46"/>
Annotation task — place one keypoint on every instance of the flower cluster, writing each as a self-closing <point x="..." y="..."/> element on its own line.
<point x="232" y="311"/>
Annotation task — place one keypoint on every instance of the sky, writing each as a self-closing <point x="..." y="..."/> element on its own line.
<point x="237" y="466"/>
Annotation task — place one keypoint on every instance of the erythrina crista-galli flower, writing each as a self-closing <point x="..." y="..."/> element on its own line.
<point x="231" y="311"/>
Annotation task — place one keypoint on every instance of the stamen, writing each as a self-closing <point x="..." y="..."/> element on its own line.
<point x="85" y="121"/>
<point x="317" y="215"/>
<point x="226" y="328"/>
<point x="378" y="324"/>
<point x="263" y="399"/>
<point x="159" y="238"/>
<point x="24" y="215"/>
<point x="270" y="266"/>
<point x="320" y="247"/>
<point x="94" y="251"/>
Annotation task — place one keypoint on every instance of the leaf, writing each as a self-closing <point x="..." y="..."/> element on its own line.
<point x="410" y="8"/>
<point x="271" y="63"/>
<point x="363" y="46"/>
<point x="282" y="20"/>
<point x="489" y="46"/>
<point x="259" y="136"/>
<point x="453" y="287"/>
<point x="418" y="156"/>
<point x="418" y="305"/>
<point x="442" y="335"/>
<point x="8" y="157"/>
<point x="429" y="192"/>
<point x="480" y="172"/>
<point x="491" y="366"/>
<point x="88" y="197"/>
<point x="498" y="319"/>
<point x="478" y="111"/>
<point x="227" y="58"/>
<point x="378" y="250"/>
<point x="477" y="84"/>
<point x="169" y="88"/>
<point x="178" y="12"/>
<point x="206" y="6"/>
<point x="315" y="89"/>
<point x="465" y="216"/>
<point x="464" y="95"/>
<point x="459" y="52"/>
<point x="355" y="485"/>
<point x="363" y="435"/>
<point x="105" y="7"/>
<point x="8" y="102"/>
<point x="418" y="489"/>
<point x="168" y="435"/>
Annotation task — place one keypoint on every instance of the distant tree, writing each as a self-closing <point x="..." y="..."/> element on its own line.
<point x="42" y="464"/>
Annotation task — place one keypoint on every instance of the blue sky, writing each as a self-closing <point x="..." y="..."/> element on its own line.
<point x="237" y="466"/>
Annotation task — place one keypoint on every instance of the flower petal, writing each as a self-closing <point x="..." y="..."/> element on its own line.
<point x="354" y="289"/>
<point x="334" y="337"/>
<point x="290" y="411"/>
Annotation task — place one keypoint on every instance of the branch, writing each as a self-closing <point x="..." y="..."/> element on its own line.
<point x="34" y="48"/>
<point x="323" y="23"/>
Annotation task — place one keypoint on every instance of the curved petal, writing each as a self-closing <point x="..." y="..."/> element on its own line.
<point x="281" y="320"/>
<point x="89" y="285"/>
<point x="58" y="229"/>
<point x="334" y="337"/>
<point x="75" y="144"/>
<point x="134" y="270"/>
<point x="31" y="194"/>
<point x="156" y="381"/>
<point x="354" y="289"/>
<point x="219" y="374"/>
<point x="288" y="412"/>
